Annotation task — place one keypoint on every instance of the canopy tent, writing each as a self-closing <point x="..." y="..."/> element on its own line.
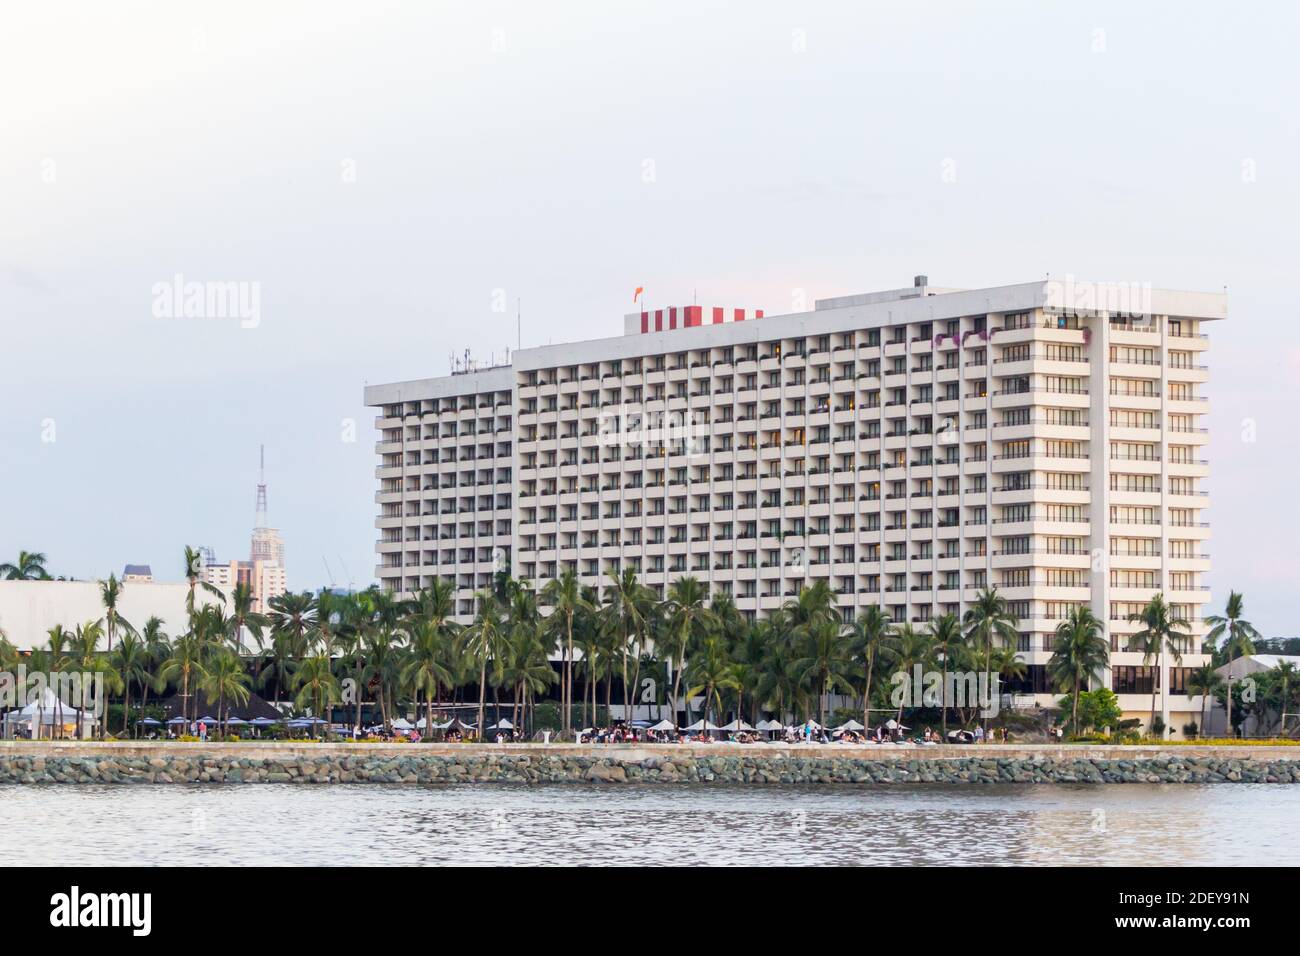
<point x="502" y="724"/>
<point x="768" y="725"/>
<point x="662" y="725"/>
<point x="41" y="716"/>
<point x="701" y="725"/>
<point x="401" y="723"/>
<point x="850" y="724"/>
<point x="736" y="725"/>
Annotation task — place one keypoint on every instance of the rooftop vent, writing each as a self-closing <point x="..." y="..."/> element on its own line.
<point x="920" y="282"/>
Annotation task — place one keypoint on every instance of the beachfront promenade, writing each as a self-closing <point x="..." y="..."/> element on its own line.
<point x="126" y="762"/>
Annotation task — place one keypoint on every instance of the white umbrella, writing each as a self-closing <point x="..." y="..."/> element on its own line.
<point x="401" y="723"/>
<point x="502" y="724"/>
<point x="737" y="725"/>
<point x="702" y="725"/>
<point x="850" y="724"/>
<point x="662" y="725"/>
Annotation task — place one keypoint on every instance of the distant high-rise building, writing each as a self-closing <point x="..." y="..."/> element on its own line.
<point x="137" y="573"/>
<point x="264" y="570"/>
<point x="268" y="546"/>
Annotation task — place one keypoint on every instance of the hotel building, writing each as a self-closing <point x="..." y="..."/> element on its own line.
<point x="910" y="447"/>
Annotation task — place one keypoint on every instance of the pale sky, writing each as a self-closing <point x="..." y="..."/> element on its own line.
<point x="381" y="170"/>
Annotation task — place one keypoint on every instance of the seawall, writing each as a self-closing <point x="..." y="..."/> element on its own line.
<point x="77" y="762"/>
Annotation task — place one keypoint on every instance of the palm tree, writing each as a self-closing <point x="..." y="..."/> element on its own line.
<point x="57" y="659"/>
<point x="945" y="634"/>
<point x="110" y="592"/>
<point x="30" y="566"/>
<point x="1234" y="634"/>
<point x="626" y="603"/>
<point x="564" y="595"/>
<point x="193" y="567"/>
<point x="687" y="619"/>
<point x="1286" y="673"/>
<point x="485" y="641"/>
<point x="987" y="618"/>
<point x="133" y="664"/>
<point x="812" y="605"/>
<point x="1080" y="655"/>
<point x="224" y="678"/>
<point x="778" y="687"/>
<point x="869" y="632"/>
<point x="908" y="648"/>
<point x="428" y="664"/>
<point x="8" y="653"/>
<point x="294" y="615"/>
<point x="317" y="686"/>
<point x="1206" y="681"/>
<point x="186" y="654"/>
<point x="824" y="664"/>
<point x="709" y="673"/>
<point x="1161" y="632"/>
<point x="243" y="617"/>
<point x="84" y="655"/>
<point x="157" y="648"/>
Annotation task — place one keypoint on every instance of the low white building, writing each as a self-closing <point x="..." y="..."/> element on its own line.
<point x="28" y="609"/>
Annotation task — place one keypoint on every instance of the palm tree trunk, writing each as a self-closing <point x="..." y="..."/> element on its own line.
<point x="866" y="694"/>
<point x="943" y="696"/>
<point x="1074" y="710"/>
<point x="1155" y="677"/>
<point x="988" y="658"/>
<point x="482" y="696"/>
<point x="626" y="701"/>
<point x="568" y="680"/>
<point x="144" y="704"/>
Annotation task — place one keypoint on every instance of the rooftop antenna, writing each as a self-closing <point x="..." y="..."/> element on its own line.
<point x="519" y="322"/>
<point x="260" y="521"/>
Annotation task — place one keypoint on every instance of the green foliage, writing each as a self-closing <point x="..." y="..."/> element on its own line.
<point x="1098" y="709"/>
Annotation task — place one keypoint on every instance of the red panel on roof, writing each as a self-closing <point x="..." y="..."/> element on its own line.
<point x="694" y="315"/>
<point x="659" y="320"/>
<point x="645" y="322"/>
<point x="740" y="315"/>
<point x="717" y="315"/>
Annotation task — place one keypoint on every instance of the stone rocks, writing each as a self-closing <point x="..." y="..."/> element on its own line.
<point x="598" y="765"/>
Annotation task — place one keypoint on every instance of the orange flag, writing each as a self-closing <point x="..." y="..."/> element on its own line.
<point x="638" y="291"/>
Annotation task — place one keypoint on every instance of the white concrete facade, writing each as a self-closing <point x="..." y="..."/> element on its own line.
<point x="909" y="446"/>
<point x="28" y="609"/>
